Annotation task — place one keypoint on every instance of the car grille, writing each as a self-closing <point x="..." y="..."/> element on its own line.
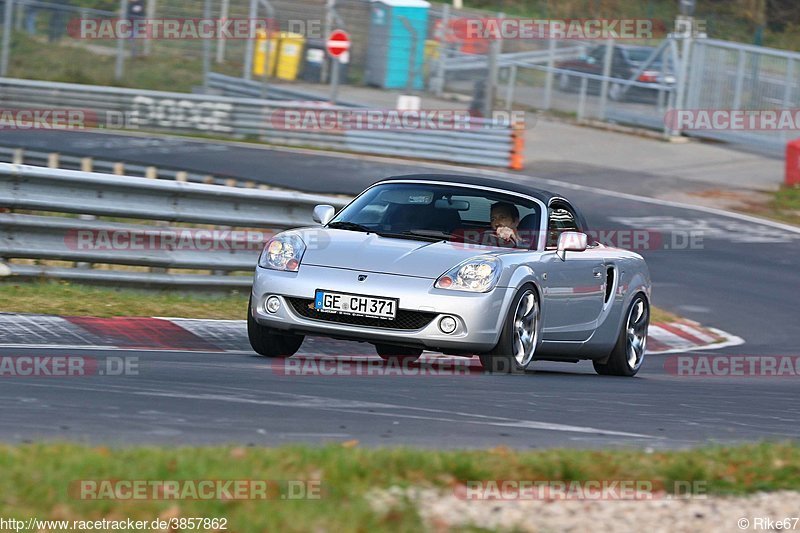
<point x="404" y="319"/>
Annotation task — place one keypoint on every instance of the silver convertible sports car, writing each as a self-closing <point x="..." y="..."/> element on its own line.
<point x="459" y="265"/>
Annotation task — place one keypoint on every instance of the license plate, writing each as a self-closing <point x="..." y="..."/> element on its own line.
<point x="355" y="304"/>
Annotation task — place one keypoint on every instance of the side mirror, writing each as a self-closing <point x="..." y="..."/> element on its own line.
<point x="571" y="241"/>
<point x="323" y="213"/>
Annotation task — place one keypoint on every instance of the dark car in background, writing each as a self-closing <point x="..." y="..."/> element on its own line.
<point x="626" y="61"/>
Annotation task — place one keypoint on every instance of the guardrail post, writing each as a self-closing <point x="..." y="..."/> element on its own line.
<point x="52" y="160"/>
<point x="81" y="264"/>
<point x="119" y="169"/>
<point x="87" y="164"/>
<point x="151" y="173"/>
<point x="18" y="157"/>
<point x="208" y="179"/>
<point x="181" y="175"/>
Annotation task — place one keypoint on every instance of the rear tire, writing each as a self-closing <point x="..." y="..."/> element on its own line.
<point x="628" y="354"/>
<point x="520" y="336"/>
<point x="270" y="342"/>
<point x="401" y="354"/>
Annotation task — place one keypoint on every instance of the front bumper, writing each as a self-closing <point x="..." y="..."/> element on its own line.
<point x="479" y="315"/>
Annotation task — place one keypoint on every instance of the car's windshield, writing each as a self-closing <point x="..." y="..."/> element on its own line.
<point x="453" y="213"/>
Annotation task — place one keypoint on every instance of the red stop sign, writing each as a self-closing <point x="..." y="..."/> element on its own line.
<point x="338" y="43"/>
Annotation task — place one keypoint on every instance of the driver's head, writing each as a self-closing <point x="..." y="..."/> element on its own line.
<point x="504" y="214"/>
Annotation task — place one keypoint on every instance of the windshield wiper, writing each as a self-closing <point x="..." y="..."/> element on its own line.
<point x="351" y="226"/>
<point x="440" y="235"/>
<point x="413" y="235"/>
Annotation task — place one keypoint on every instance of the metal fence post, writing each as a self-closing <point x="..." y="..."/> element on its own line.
<point x="495" y="48"/>
<point x="582" y="98"/>
<point x="737" y="93"/>
<point x="120" y="64"/>
<point x="7" y="29"/>
<point x="607" y="59"/>
<point x="787" y="91"/>
<point x="206" y="47"/>
<point x="150" y="13"/>
<point x="683" y="74"/>
<point x="221" y="40"/>
<point x="270" y="18"/>
<point x="512" y="83"/>
<point x="330" y="6"/>
<point x="438" y="85"/>
<point x="550" y="75"/>
<point x="248" y="51"/>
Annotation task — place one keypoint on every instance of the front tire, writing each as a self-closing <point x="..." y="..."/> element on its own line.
<point x="628" y="354"/>
<point x="520" y="336"/>
<point x="269" y="342"/>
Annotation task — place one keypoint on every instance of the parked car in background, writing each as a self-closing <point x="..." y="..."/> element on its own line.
<point x="626" y="61"/>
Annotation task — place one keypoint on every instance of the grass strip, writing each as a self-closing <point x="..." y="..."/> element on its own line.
<point x="37" y="478"/>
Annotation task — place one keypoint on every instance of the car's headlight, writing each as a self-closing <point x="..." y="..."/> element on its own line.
<point x="283" y="252"/>
<point x="478" y="274"/>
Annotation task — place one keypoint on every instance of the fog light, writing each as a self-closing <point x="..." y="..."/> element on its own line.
<point x="447" y="325"/>
<point x="273" y="304"/>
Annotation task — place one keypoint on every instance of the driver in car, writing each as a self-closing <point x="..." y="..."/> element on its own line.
<point x="504" y="220"/>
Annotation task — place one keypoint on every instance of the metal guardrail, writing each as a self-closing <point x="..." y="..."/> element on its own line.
<point x="87" y="240"/>
<point x="240" y="87"/>
<point x="22" y="156"/>
<point x="468" y="140"/>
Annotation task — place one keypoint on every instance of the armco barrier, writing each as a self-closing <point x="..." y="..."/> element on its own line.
<point x="469" y="140"/>
<point x="57" y="238"/>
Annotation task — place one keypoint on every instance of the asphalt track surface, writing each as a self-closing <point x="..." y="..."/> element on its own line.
<point x="741" y="277"/>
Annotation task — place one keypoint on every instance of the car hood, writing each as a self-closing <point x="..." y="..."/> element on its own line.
<point x="373" y="253"/>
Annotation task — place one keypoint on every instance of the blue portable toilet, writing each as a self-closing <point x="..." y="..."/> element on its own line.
<point x="397" y="33"/>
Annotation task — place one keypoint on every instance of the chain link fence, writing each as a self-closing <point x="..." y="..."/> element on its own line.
<point x="631" y="82"/>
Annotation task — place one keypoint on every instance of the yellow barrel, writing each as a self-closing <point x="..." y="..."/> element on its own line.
<point x="260" y="52"/>
<point x="291" y="56"/>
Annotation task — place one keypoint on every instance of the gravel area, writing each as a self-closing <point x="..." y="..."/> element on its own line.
<point x="441" y="511"/>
